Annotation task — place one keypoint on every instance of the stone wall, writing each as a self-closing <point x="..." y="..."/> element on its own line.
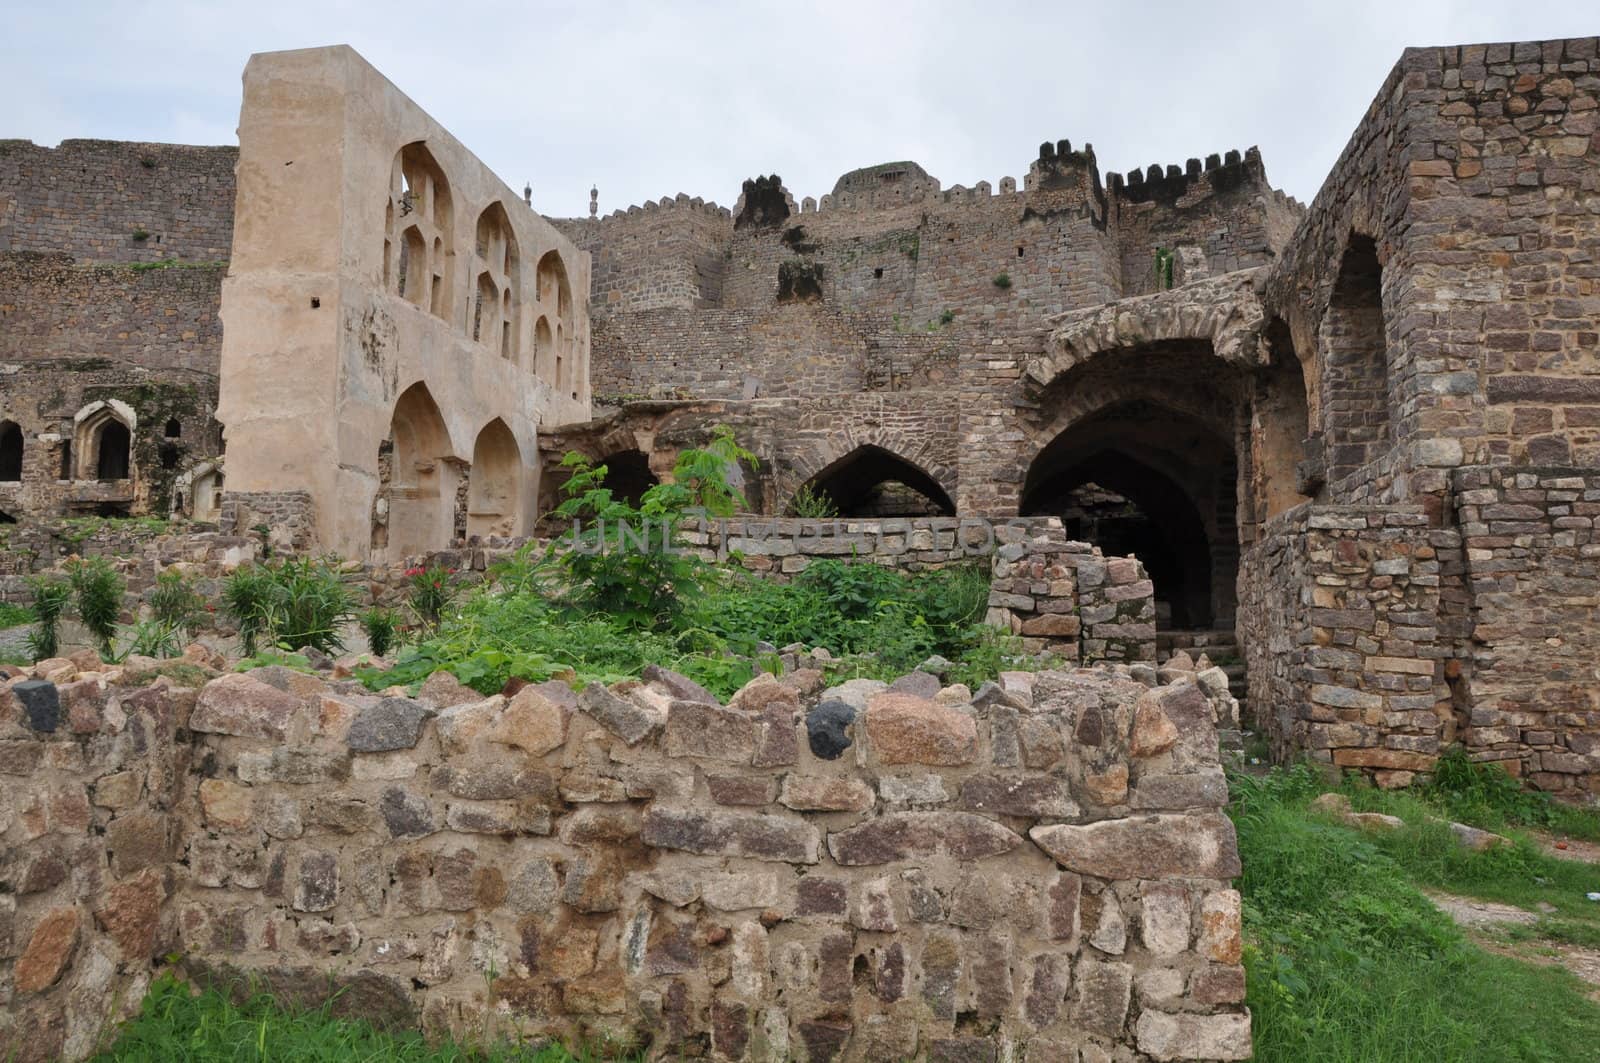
<point x="1352" y="618"/>
<point x="1036" y="872"/>
<point x="1533" y="571"/>
<point x="117" y="201"/>
<point x="72" y="335"/>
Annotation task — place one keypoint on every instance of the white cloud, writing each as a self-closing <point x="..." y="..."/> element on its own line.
<point x="647" y="99"/>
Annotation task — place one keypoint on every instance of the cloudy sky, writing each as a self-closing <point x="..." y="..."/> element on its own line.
<point x="645" y="99"/>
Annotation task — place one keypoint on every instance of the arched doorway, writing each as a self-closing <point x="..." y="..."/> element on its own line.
<point x="873" y="482"/>
<point x="494" y="487"/>
<point x="1356" y="411"/>
<point x="1136" y="477"/>
<point x="419" y="482"/>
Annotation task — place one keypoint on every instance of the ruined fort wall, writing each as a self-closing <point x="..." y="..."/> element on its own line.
<point x="73" y="335"/>
<point x="1531" y="569"/>
<point x="1046" y="871"/>
<point x="117" y="201"/>
<point x="794" y="350"/>
<point x="1225" y="210"/>
<point x="1350" y="617"/>
<point x="667" y="254"/>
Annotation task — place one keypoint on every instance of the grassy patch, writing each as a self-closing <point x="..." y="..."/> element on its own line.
<point x="13" y="615"/>
<point x="1348" y="960"/>
<point x="174" y="1023"/>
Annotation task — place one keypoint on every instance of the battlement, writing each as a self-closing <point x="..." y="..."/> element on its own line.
<point x="1168" y="184"/>
<point x="680" y="202"/>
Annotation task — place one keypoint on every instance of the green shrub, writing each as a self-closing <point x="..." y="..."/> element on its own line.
<point x="51" y="597"/>
<point x="381" y="625"/>
<point x="175" y="603"/>
<point x="628" y="562"/>
<point x="97" y="591"/>
<point x="13" y="615"/>
<point x="296" y="604"/>
<point x="1002" y="281"/>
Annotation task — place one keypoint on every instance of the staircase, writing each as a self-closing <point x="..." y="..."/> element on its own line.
<point x="1221" y="646"/>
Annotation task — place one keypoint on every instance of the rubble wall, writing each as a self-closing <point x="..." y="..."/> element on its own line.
<point x="862" y="873"/>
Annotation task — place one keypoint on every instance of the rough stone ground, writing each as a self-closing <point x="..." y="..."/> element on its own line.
<point x="14" y="643"/>
<point x="1483" y="921"/>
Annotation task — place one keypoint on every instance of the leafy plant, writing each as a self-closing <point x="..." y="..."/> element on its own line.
<point x="151" y="638"/>
<point x="295" y="604"/>
<point x="97" y="592"/>
<point x="381" y="626"/>
<point x="813" y="504"/>
<point x="628" y="562"/>
<point x="431" y="593"/>
<point x="141" y="234"/>
<point x="174" y="602"/>
<point x="51" y="597"/>
<point x="946" y="316"/>
<point x="1164" y="261"/>
<point x="1002" y="281"/>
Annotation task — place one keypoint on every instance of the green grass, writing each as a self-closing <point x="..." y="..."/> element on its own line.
<point x="1348" y="960"/>
<point x="174" y="1024"/>
<point x="12" y="615"/>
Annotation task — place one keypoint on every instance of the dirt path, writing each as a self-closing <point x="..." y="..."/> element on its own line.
<point x="1481" y="918"/>
<point x="1568" y="848"/>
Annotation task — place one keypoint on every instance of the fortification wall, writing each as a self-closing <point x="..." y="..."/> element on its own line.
<point x="793" y="351"/>
<point x="667" y="254"/>
<point x="852" y="873"/>
<point x="1219" y="208"/>
<point x="117" y="201"/>
<point x="72" y="336"/>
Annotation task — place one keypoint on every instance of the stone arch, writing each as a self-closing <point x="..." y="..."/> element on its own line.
<point x="1138" y="478"/>
<point x="10" y="452"/>
<point x="486" y="310"/>
<point x="498" y="258"/>
<point x="417" y="490"/>
<point x="1285" y="454"/>
<point x="1356" y="404"/>
<point x="925" y="451"/>
<point x="1149" y="450"/>
<point x="103" y="441"/>
<point x="1223" y="313"/>
<point x="419" y="248"/>
<point x="494" y="506"/>
<point x="871" y="481"/>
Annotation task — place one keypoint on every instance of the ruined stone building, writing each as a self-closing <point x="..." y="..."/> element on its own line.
<point x="1357" y="440"/>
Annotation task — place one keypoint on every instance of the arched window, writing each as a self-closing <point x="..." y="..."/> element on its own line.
<point x="544" y="351"/>
<point x="418" y="246"/>
<point x="499" y="260"/>
<point x="103" y="442"/>
<point x="10" y="451"/>
<point x="555" y="300"/>
<point x="113" y="448"/>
